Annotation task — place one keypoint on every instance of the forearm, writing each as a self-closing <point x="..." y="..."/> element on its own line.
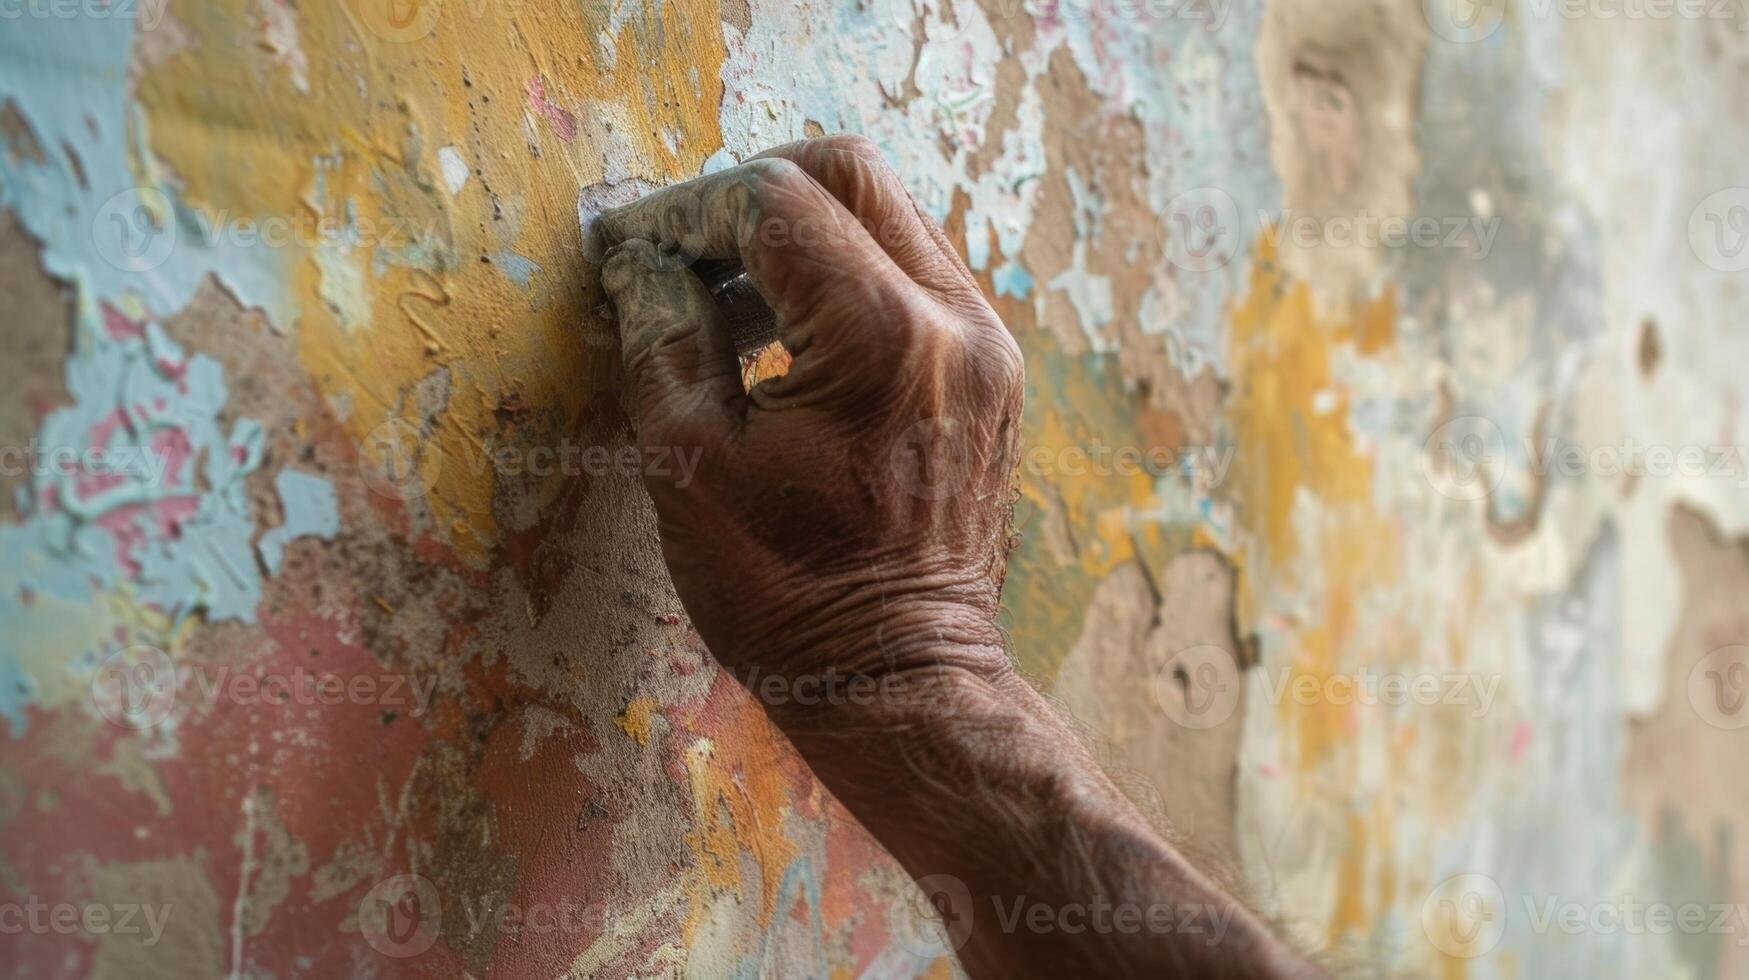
<point x="971" y="779"/>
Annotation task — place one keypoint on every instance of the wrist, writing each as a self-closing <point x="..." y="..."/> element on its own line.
<point x="909" y="687"/>
<point x="891" y="629"/>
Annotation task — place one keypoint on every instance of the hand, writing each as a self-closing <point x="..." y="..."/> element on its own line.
<point x="852" y="515"/>
<point x="852" y="518"/>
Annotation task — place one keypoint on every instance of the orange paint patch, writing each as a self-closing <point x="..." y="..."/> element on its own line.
<point x="741" y="791"/>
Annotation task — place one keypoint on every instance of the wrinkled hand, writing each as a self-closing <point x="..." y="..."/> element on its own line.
<point x="852" y="515"/>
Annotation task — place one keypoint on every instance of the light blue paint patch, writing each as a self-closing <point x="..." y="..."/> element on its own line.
<point x="1088" y="204"/>
<point x="310" y="508"/>
<point x="519" y="268"/>
<point x="155" y="526"/>
<point x="207" y="569"/>
<point x="977" y="239"/>
<point x="800" y="883"/>
<point x="1011" y="279"/>
<point x="720" y="160"/>
<point x="176" y="538"/>
<point x="17" y="691"/>
<point x="117" y="232"/>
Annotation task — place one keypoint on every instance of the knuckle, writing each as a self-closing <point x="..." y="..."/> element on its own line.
<point x="1010" y="364"/>
<point x="994" y="360"/>
<point x="630" y="250"/>
<point x="859" y="147"/>
<point x="677" y="344"/>
<point x="775" y="174"/>
<point x="661" y="348"/>
<point x="610" y="227"/>
<point x="627" y="257"/>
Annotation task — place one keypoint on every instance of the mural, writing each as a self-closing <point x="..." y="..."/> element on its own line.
<point x="1385" y="511"/>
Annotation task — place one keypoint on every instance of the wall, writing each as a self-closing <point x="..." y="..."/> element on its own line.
<point x="327" y="617"/>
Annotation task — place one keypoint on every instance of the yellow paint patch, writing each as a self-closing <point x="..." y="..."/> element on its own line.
<point x="1302" y="488"/>
<point x="636" y="719"/>
<point x="1289" y="414"/>
<point x="414" y="286"/>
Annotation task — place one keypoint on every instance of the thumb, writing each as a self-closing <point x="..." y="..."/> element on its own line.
<point x="685" y="376"/>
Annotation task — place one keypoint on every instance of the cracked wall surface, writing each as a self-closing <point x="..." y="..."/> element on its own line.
<point x="1386" y="346"/>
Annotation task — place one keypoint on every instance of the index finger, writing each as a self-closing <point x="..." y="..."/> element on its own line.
<point x="797" y="242"/>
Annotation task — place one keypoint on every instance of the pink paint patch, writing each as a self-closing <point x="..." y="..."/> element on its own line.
<point x="160" y="465"/>
<point x="170" y="450"/>
<point x="174" y="512"/>
<point x="88" y="485"/>
<point x="171" y="369"/>
<point x="131" y="525"/>
<point x="105" y="427"/>
<point x="564" y="124"/>
<point x="120" y="327"/>
<point x="127" y="533"/>
<point x="1520" y="739"/>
